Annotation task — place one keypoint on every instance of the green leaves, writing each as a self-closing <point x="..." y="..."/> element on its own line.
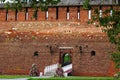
<point x="35" y="4"/>
<point x="116" y="59"/>
<point x="104" y="21"/>
<point x="86" y="4"/>
<point x="13" y="6"/>
<point x="110" y="23"/>
<point x="7" y="6"/>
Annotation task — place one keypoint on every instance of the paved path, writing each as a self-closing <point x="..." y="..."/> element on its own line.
<point x="16" y="79"/>
<point x="27" y="78"/>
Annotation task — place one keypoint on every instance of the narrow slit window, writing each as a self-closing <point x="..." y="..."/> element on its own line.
<point x="6" y="15"/>
<point x="100" y="15"/>
<point x="47" y="15"/>
<point x="36" y="14"/>
<point x="67" y="13"/>
<point x="78" y="13"/>
<point x="16" y="15"/>
<point x="111" y="12"/>
<point x="26" y="14"/>
<point x="89" y="14"/>
<point x="56" y="13"/>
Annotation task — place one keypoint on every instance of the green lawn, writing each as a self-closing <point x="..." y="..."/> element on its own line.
<point x="75" y="78"/>
<point x="58" y="78"/>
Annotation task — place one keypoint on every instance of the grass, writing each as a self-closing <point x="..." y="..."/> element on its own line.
<point x="57" y="78"/>
<point x="75" y="78"/>
<point x="13" y="76"/>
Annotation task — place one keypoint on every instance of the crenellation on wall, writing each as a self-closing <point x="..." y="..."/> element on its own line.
<point x="83" y="15"/>
<point x="31" y="14"/>
<point x="61" y="13"/>
<point x="52" y="13"/>
<point x="41" y="15"/>
<point x="21" y="15"/>
<point x="2" y="15"/>
<point x="10" y="15"/>
<point x="73" y="13"/>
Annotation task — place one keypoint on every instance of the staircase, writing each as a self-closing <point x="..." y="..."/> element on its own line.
<point x="67" y="68"/>
<point x="51" y="69"/>
<point x="49" y="73"/>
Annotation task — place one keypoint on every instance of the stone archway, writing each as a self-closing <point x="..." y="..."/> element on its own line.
<point x="65" y="57"/>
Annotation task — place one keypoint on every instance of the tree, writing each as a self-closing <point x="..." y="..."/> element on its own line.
<point x="110" y="23"/>
<point x="86" y="4"/>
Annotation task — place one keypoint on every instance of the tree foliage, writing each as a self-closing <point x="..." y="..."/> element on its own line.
<point x="18" y="5"/>
<point x="116" y="59"/>
<point x="42" y="4"/>
<point x="86" y="4"/>
<point x="110" y="23"/>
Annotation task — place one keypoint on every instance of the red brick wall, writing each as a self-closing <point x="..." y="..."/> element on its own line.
<point x="19" y="55"/>
<point x="18" y="47"/>
<point x="11" y="15"/>
<point x="41" y="15"/>
<point x="111" y="69"/>
<point x="2" y="15"/>
<point x="30" y="14"/>
<point x="21" y="15"/>
<point x="73" y="13"/>
<point x="52" y="13"/>
<point x="19" y="41"/>
<point x="15" y="60"/>
<point x="97" y="65"/>
<point x="62" y="13"/>
<point x="83" y="15"/>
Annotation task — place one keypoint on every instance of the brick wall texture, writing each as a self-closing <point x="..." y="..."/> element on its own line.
<point x="20" y="39"/>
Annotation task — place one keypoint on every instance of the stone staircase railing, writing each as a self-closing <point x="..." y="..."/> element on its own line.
<point x="51" y="68"/>
<point x="67" y="68"/>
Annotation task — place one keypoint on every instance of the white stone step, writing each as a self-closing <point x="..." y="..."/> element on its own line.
<point x="49" y="74"/>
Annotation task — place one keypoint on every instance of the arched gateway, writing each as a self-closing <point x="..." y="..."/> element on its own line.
<point x="65" y="57"/>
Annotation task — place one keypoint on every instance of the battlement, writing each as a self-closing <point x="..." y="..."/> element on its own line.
<point x="56" y="13"/>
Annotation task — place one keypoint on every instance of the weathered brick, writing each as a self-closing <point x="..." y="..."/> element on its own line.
<point x="19" y="40"/>
<point x="73" y="13"/>
<point x="83" y="15"/>
<point x="52" y="13"/>
<point x="11" y="15"/>
<point x="21" y="15"/>
<point x="62" y="11"/>
<point x="41" y="15"/>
